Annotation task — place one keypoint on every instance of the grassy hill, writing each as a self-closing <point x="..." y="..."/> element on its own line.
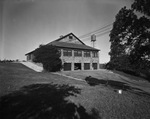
<point x="28" y="94"/>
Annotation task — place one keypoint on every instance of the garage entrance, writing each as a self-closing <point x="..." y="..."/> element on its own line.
<point x="94" y="65"/>
<point x="67" y="66"/>
<point x="77" y="66"/>
<point x="86" y="66"/>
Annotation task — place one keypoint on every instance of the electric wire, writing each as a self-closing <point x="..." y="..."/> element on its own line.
<point x="96" y="31"/>
<point x="106" y="30"/>
<point x="99" y="35"/>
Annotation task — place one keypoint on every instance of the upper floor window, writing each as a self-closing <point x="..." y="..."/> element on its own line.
<point x="78" y="53"/>
<point x="67" y="53"/>
<point x="70" y="37"/>
<point x="87" y="54"/>
<point x="94" y="54"/>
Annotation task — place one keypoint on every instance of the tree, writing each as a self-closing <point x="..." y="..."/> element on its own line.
<point x="130" y="38"/>
<point x="142" y="6"/>
<point x="49" y="56"/>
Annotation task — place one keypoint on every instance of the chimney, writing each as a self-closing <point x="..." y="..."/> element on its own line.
<point x="61" y="36"/>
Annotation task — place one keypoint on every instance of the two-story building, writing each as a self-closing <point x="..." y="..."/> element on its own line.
<point x="75" y="55"/>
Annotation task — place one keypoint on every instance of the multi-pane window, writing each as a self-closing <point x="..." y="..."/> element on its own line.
<point x="78" y="53"/>
<point x="94" y="54"/>
<point x="87" y="54"/>
<point x="67" y="52"/>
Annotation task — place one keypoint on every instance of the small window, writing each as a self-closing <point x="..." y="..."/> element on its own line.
<point x="70" y="37"/>
<point x="67" y="52"/>
<point x="87" y="54"/>
<point x="95" y="54"/>
<point x="78" y="53"/>
<point x="29" y="56"/>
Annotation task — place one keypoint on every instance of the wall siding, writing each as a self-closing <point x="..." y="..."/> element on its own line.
<point x="72" y="59"/>
<point x="82" y="60"/>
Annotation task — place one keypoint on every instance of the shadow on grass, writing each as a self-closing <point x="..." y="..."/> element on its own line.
<point x="115" y="85"/>
<point x="43" y="101"/>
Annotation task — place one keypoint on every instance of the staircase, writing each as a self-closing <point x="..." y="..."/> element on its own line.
<point x="33" y="66"/>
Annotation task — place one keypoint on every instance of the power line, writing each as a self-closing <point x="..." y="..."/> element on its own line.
<point x="98" y="30"/>
<point x="101" y="34"/>
<point x="108" y="29"/>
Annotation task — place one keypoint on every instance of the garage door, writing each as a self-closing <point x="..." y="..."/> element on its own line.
<point x="67" y="66"/>
<point x="86" y="66"/>
<point x="94" y="65"/>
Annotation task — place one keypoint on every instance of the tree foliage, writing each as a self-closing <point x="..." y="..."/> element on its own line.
<point x="49" y="56"/>
<point x="130" y="38"/>
<point x="142" y="6"/>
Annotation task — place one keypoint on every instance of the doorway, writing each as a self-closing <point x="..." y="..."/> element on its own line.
<point x="86" y="66"/>
<point x="77" y="66"/>
<point x="67" y="66"/>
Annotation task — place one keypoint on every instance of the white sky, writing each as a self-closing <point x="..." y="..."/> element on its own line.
<point x="25" y="24"/>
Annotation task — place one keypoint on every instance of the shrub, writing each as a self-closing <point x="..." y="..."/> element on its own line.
<point x="49" y="56"/>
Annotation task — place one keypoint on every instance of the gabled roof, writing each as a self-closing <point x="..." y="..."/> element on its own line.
<point x="72" y="46"/>
<point x="67" y="36"/>
<point x="30" y="52"/>
<point x="59" y="44"/>
<point x="82" y="46"/>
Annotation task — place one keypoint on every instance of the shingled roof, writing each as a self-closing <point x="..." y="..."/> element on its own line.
<point x="67" y="36"/>
<point x="72" y="46"/>
<point x="59" y="44"/>
<point x="82" y="46"/>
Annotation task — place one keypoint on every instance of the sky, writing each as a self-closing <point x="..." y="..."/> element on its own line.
<point x="25" y="24"/>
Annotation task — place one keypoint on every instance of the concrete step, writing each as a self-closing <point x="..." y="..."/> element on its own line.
<point x="33" y="66"/>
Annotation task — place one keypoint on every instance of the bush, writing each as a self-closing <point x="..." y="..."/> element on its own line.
<point x="49" y="56"/>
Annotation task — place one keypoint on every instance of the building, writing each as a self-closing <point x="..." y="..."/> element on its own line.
<point x="75" y="55"/>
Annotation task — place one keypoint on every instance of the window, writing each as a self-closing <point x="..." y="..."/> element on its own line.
<point x="70" y="37"/>
<point x="94" y="65"/>
<point x="67" y="66"/>
<point x="86" y="66"/>
<point x="78" y="53"/>
<point x="67" y="52"/>
<point x="94" y="54"/>
<point x="29" y="57"/>
<point x="87" y="54"/>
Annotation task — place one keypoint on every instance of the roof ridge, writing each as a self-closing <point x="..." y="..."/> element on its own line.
<point x="66" y="36"/>
<point x="57" y="41"/>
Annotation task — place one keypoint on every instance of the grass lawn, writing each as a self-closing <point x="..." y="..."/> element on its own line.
<point x="102" y="74"/>
<point x="28" y="94"/>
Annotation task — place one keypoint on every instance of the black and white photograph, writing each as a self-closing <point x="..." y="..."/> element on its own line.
<point x="74" y="59"/>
